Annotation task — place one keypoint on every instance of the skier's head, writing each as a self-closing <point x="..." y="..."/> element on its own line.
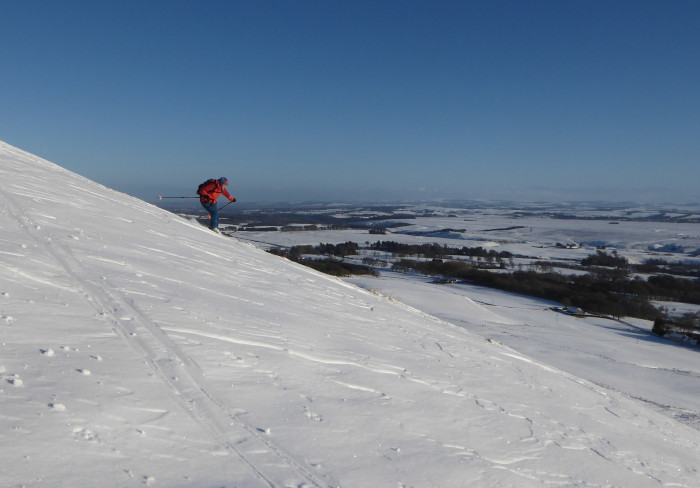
<point x="223" y="181"/>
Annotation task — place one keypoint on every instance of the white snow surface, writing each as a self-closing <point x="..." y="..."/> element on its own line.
<point x="139" y="348"/>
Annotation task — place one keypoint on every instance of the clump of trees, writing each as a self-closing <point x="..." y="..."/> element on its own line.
<point x="337" y="268"/>
<point x="688" y="325"/>
<point x="601" y="258"/>
<point x="328" y="265"/>
<point x="678" y="268"/>
<point x="295" y="253"/>
<point x="437" y="251"/>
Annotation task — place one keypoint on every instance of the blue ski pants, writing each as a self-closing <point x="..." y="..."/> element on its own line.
<point x="213" y="210"/>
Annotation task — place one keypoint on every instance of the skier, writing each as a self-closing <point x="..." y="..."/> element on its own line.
<point x="209" y="192"/>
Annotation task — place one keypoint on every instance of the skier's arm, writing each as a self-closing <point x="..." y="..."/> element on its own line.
<point x="227" y="195"/>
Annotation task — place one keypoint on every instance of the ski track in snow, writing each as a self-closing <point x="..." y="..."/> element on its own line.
<point x="269" y="463"/>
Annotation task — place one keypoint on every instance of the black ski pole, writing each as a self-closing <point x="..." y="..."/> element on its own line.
<point x="161" y="197"/>
<point x="229" y="203"/>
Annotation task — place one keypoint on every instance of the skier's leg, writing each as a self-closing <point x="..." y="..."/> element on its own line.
<point x="214" y="212"/>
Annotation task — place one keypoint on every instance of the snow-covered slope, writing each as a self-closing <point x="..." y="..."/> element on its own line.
<point x="140" y="348"/>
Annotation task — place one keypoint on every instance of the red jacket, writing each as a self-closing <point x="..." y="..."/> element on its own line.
<point x="212" y="190"/>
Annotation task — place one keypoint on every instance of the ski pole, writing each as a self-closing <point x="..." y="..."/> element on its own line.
<point x="160" y="197"/>
<point x="229" y="203"/>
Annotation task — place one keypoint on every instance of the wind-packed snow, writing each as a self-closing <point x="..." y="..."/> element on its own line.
<point x="139" y="348"/>
<point x="621" y="355"/>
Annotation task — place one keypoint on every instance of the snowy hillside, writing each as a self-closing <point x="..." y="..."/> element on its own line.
<point x="138" y="348"/>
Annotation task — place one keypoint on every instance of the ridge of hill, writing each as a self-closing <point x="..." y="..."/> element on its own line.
<point x="140" y="348"/>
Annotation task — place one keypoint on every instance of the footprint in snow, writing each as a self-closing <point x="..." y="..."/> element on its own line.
<point x="313" y="415"/>
<point x="84" y="433"/>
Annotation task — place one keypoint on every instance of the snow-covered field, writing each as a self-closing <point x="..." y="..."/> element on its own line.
<point x="138" y="348"/>
<point x="535" y="237"/>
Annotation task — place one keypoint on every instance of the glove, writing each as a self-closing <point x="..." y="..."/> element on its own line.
<point x="231" y="199"/>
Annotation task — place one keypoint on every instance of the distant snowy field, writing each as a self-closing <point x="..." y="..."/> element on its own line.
<point x="141" y="349"/>
<point x="535" y="237"/>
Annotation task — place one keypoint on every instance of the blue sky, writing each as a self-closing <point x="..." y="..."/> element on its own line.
<point x="360" y="100"/>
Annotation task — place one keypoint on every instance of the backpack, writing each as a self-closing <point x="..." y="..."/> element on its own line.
<point x="206" y="187"/>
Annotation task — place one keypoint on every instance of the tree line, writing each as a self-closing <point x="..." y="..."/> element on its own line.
<point x="328" y="265"/>
<point x="437" y="251"/>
